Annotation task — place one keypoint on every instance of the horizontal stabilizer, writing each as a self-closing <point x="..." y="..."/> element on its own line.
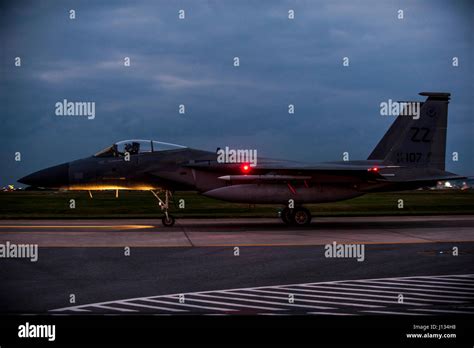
<point x="429" y="178"/>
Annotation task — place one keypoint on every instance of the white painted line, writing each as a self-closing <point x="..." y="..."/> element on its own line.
<point x="267" y="302"/>
<point x="404" y="287"/>
<point x="75" y="308"/>
<point x="330" y="313"/>
<point x="351" y="295"/>
<point x="279" y="314"/>
<point x="235" y="304"/>
<point x="394" y="298"/>
<point x="396" y="313"/>
<point x="348" y="281"/>
<point x="441" y="311"/>
<point x="469" y="275"/>
<point x="411" y="292"/>
<point x="113" y="308"/>
<point x="337" y="282"/>
<point x="128" y="303"/>
<point x="465" y="276"/>
<point x="191" y="305"/>
<point x="431" y="284"/>
<point x="414" y="285"/>
<point x="447" y="281"/>
<point x="457" y="280"/>
<point x="300" y="300"/>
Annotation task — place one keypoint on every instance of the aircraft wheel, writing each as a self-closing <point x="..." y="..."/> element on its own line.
<point x="301" y="216"/>
<point x="168" y="220"/>
<point x="286" y="216"/>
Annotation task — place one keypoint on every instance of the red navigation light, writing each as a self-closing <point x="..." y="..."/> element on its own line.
<point x="245" y="168"/>
<point x="373" y="169"/>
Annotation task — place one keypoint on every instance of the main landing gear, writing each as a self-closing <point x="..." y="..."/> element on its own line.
<point x="167" y="219"/>
<point x="298" y="216"/>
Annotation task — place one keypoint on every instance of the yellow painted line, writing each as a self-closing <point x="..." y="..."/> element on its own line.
<point x="79" y="226"/>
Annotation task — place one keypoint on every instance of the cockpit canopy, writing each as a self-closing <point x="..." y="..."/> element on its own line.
<point x="136" y="146"/>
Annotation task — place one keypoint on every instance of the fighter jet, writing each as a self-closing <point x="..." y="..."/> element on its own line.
<point x="410" y="155"/>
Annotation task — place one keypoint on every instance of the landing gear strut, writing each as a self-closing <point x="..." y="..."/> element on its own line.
<point x="167" y="219"/>
<point x="298" y="216"/>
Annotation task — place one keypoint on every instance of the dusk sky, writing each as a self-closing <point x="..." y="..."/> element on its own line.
<point x="190" y="61"/>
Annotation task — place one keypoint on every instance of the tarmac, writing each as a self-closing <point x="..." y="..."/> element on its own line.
<point x="416" y="265"/>
<point x="238" y="232"/>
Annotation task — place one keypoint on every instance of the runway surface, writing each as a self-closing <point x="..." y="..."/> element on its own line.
<point x="452" y="294"/>
<point x="83" y="267"/>
<point x="238" y="232"/>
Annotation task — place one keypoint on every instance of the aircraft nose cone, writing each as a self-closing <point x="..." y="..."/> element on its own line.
<point x="52" y="177"/>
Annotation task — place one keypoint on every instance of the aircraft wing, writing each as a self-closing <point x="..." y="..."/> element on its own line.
<point x="275" y="171"/>
<point x="291" y="171"/>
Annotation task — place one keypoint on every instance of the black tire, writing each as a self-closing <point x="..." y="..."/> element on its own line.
<point x="286" y="216"/>
<point x="301" y="217"/>
<point x="168" y="222"/>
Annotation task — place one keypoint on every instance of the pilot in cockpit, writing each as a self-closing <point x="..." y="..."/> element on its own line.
<point x="132" y="148"/>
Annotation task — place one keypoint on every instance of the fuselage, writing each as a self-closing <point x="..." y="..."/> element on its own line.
<point x="410" y="155"/>
<point x="186" y="169"/>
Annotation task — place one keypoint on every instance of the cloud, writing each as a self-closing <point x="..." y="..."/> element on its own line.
<point x="190" y="61"/>
<point x="175" y="82"/>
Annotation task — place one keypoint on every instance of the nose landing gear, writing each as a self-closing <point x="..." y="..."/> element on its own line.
<point x="167" y="219"/>
<point x="298" y="216"/>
